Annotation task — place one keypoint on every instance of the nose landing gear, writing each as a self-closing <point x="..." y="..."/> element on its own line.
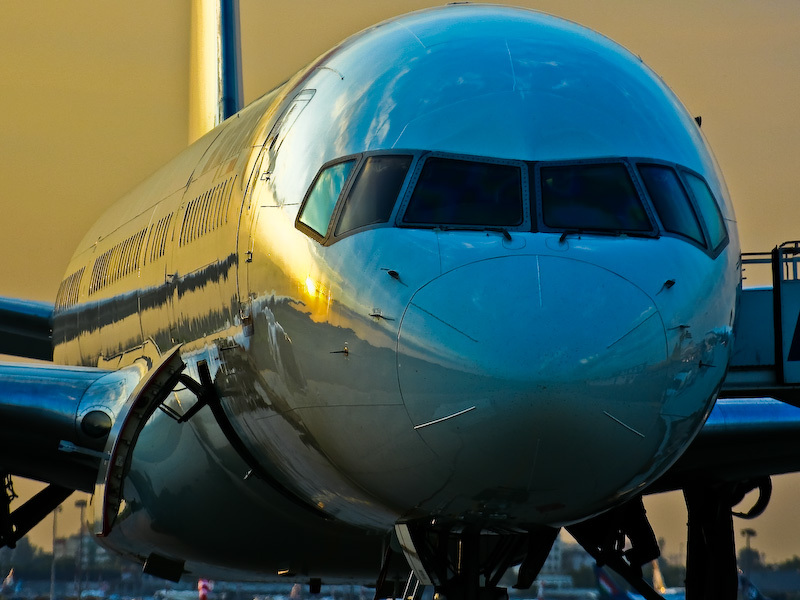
<point x="464" y="562"/>
<point x="470" y="562"/>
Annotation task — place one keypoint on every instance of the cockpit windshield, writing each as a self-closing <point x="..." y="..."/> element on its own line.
<point x="593" y="197"/>
<point x="374" y="192"/>
<point x="318" y="208"/>
<point x="435" y="190"/>
<point x="670" y="200"/>
<point x="466" y="193"/>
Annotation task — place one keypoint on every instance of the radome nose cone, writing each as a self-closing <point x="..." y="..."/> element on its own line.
<point x="522" y="367"/>
<point x="528" y="319"/>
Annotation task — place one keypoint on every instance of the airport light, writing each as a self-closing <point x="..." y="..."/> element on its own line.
<point x="748" y="533"/>
<point x="53" y="563"/>
<point x="80" y="504"/>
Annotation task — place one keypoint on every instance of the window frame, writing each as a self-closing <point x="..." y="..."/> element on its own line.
<point x="704" y="245"/>
<point x="717" y="250"/>
<point x="332" y="237"/>
<point x="361" y="158"/>
<point x="313" y="233"/>
<point x="655" y="230"/>
<point x="416" y="169"/>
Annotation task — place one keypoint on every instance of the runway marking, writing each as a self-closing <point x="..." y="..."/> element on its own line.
<point x="435" y="421"/>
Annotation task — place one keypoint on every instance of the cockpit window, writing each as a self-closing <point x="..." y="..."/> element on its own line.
<point x="374" y="192"/>
<point x="318" y="208"/>
<point x="709" y="210"/>
<point x="671" y="202"/>
<point x="467" y="193"/>
<point x="597" y="197"/>
<point x="423" y="189"/>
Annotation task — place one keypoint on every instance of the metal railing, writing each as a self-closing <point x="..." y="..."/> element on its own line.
<point x="783" y="260"/>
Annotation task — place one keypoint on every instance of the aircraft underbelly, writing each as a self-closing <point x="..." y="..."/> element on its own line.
<point x="182" y="474"/>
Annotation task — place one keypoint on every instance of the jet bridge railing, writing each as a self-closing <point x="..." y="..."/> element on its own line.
<point x="766" y="350"/>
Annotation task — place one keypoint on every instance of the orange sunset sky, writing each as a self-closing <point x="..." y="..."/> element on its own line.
<point x="93" y="98"/>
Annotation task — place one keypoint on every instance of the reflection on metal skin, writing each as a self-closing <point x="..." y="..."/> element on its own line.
<point x="69" y="404"/>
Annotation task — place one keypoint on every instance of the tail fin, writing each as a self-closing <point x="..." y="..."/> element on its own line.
<point x="748" y="591"/>
<point x="215" y="78"/>
<point x="607" y="588"/>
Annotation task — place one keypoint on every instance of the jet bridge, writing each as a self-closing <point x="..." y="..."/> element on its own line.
<point x="766" y="351"/>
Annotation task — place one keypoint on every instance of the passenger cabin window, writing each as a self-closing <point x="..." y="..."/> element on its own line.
<point x="467" y="193"/>
<point x="318" y="208"/>
<point x="671" y="202"/>
<point x="374" y="193"/>
<point x="598" y="197"/>
<point x="709" y="210"/>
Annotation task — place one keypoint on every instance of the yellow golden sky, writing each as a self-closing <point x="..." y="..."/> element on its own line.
<point x="93" y="98"/>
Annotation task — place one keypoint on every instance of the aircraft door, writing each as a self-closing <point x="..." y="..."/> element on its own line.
<point x="257" y="199"/>
<point x="259" y="204"/>
<point x="155" y="291"/>
<point x="172" y="273"/>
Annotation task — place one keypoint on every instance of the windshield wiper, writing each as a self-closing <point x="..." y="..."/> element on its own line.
<point x="501" y="230"/>
<point x="578" y="232"/>
<point x="567" y="232"/>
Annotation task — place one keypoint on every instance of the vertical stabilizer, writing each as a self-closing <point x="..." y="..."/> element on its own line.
<point x="215" y="78"/>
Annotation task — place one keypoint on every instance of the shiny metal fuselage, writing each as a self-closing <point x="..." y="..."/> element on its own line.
<point x="534" y="378"/>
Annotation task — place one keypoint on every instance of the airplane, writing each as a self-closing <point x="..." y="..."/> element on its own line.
<point x="468" y="278"/>
<point x="608" y="589"/>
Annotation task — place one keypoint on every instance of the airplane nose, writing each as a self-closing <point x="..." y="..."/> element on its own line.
<point x="537" y="381"/>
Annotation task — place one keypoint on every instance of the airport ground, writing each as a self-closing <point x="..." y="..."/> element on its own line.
<point x="103" y="576"/>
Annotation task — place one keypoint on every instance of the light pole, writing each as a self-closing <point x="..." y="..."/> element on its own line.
<point x="53" y="564"/>
<point x="748" y="533"/>
<point x="81" y="504"/>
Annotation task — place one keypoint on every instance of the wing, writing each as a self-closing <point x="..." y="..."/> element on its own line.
<point x="744" y="439"/>
<point x="26" y="328"/>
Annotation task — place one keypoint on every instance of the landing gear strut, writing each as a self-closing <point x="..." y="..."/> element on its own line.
<point x="465" y="562"/>
<point x="711" y="570"/>
<point x="603" y="537"/>
<point x="15" y="524"/>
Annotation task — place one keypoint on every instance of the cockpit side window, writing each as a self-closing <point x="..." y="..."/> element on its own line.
<point x="318" y="207"/>
<point x="466" y="193"/>
<point x="671" y="202"/>
<point x="717" y="234"/>
<point x="591" y="197"/>
<point x="374" y="192"/>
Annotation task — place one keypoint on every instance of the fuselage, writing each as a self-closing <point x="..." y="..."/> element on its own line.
<point x="476" y="263"/>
